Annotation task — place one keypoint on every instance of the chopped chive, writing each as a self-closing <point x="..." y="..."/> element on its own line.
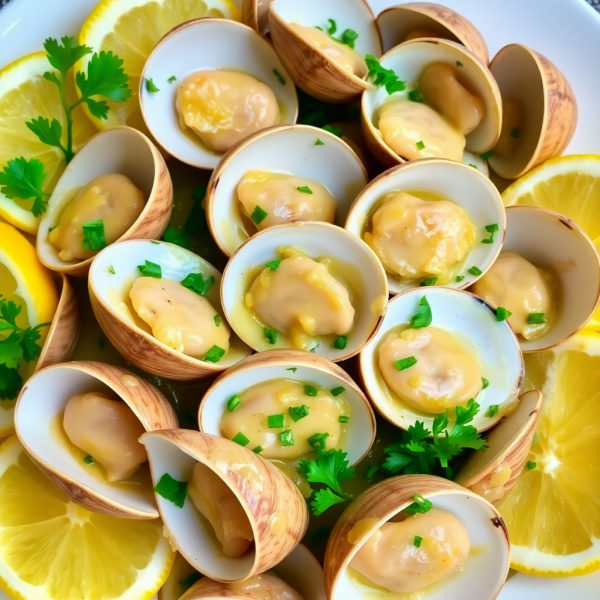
<point x="337" y="131"/>
<point x="89" y="460"/>
<point x="349" y="36"/>
<point x="486" y="155"/>
<point x="344" y="419"/>
<point x="292" y="369"/>
<point x="241" y="439"/>
<point x="319" y="142"/>
<point x="258" y="215"/>
<point x="276" y="421"/>
<point x="310" y="390"/>
<point x="270" y="335"/>
<point x="197" y="283"/>
<point x="405" y="363"/>
<point x="420" y="505"/>
<point x="417" y="541"/>
<point x="274" y="264"/>
<point x="420" y="145"/>
<point x="172" y="490"/>
<point x="458" y="63"/>
<point x="475" y="271"/>
<point x="173" y="235"/>
<point x="428" y="281"/>
<point x="332" y="26"/>
<point x="337" y="391"/>
<point x="515" y="132"/>
<point x="536" y="318"/>
<point x="298" y="412"/>
<point x="484" y="383"/>
<point x="287" y="438"/>
<point x="154" y="242"/>
<point x="279" y="77"/>
<point x="111" y="270"/>
<point x="304" y="189"/>
<point x="50" y="229"/>
<point x="102" y="343"/>
<point x="491" y="229"/>
<point x="492" y="410"/>
<point x="424" y="315"/>
<point x="502" y="313"/>
<point x="318" y="440"/>
<point x="172" y="79"/>
<point x="151" y="86"/>
<point x="150" y="269"/>
<point x="371" y="471"/>
<point x="258" y="450"/>
<point x="460" y="277"/>
<point x="214" y="355"/>
<point x="93" y="235"/>
<point x="233" y="402"/>
<point x="341" y="341"/>
<point x="474" y="166"/>
<point x="217" y="320"/>
<point x="531" y="464"/>
<point x="415" y="96"/>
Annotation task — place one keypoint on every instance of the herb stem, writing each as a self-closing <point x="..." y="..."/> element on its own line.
<point x="68" y="151"/>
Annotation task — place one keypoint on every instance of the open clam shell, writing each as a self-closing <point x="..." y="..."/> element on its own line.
<point x="548" y="107"/>
<point x="38" y="422"/>
<point x="309" y="368"/>
<point x="121" y="150"/>
<point x="408" y="61"/>
<point x="200" y="45"/>
<point x="473" y="322"/>
<point x="290" y="150"/>
<point x="482" y="576"/>
<point x="320" y="240"/>
<point x="255" y="14"/>
<point x="311" y="68"/>
<point x="109" y="296"/>
<point x="276" y="509"/>
<point x="464" y="186"/>
<point x="398" y="22"/>
<point x="493" y="473"/>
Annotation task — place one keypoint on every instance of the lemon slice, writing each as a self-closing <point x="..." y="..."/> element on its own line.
<point x="25" y="281"/>
<point x="52" y="549"/>
<point x="131" y="29"/>
<point x="553" y="513"/>
<point x="26" y="95"/>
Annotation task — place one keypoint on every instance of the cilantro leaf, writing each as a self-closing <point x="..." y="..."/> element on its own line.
<point x="105" y="77"/>
<point x="384" y="77"/>
<point x="22" y="179"/>
<point x="324" y="499"/>
<point x="63" y="57"/>
<point x="197" y="283"/>
<point x="29" y="342"/>
<point x="98" y="108"/>
<point x="10" y="383"/>
<point x="48" y="132"/>
<point x="423" y="317"/>
<point x="9" y="311"/>
<point x="330" y="468"/>
<point x="10" y="351"/>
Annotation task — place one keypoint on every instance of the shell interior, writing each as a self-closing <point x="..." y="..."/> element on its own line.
<point x="303" y="572"/>
<point x="201" y="45"/>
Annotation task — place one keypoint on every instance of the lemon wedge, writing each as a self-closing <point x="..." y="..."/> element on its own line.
<point x="182" y="578"/>
<point x="53" y="549"/>
<point x="553" y="513"/>
<point x="131" y="29"/>
<point x="26" y="95"/>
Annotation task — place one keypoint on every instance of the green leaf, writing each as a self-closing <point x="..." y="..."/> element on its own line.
<point x="330" y="468"/>
<point x="258" y="215"/>
<point x="419" y="506"/>
<point x="22" y="179"/>
<point x="214" y="355"/>
<point x="93" y="235"/>
<point x="423" y="317"/>
<point x="48" y="132"/>
<point x="337" y="131"/>
<point x="298" y="412"/>
<point x="270" y="335"/>
<point x="383" y="77"/>
<point x="492" y="410"/>
<point x="197" y="283"/>
<point x="173" y="235"/>
<point x="415" y="96"/>
<point x="325" y="499"/>
<point x="340" y="342"/>
<point x="279" y="77"/>
<point x="98" y="108"/>
<point x="64" y="56"/>
<point x="319" y="142"/>
<point x="10" y="352"/>
<point x="150" y="269"/>
<point x="105" y="77"/>
<point x="304" y="189"/>
<point x="172" y="79"/>
<point x="274" y="264"/>
<point x="29" y="342"/>
<point x="502" y="314"/>
<point x="484" y="383"/>
<point x="10" y="383"/>
<point x="172" y="490"/>
<point x="151" y="86"/>
<point x="9" y="311"/>
<point x="349" y="36"/>
<point x="428" y="281"/>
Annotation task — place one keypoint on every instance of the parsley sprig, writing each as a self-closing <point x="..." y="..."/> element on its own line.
<point x="384" y="77"/>
<point x="23" y="179"/>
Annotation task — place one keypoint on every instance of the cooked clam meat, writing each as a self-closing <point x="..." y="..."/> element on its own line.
<point x="393" y="558"/>
<point x="178" y="316"/>
<point x="284" y="198"/>
<point x="417" y="239"/>
<point x="342" y="54"/>
<point x="99" y="214"/>
<point x="224" y="107"/>
<point x="520" y="287"/>
<point x="302" y="300"/>
<point x="512" y="122"/>
<point x="215" y="501"/>
<point x="429" y="369"/>
<point x="108" y="431"/>
<point x="260" y="587"/>
<point x="281" y="416"/>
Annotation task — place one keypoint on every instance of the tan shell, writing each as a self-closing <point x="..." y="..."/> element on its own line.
<point x="255" y="14"/>
<point x="509" y="444"/>
<point x="43" y="399"/>
<point x="123" y="150"/>
<point x="268" y="497"/>
<point x="383" y="501"/>
<point x="396" y="22"/>
<point x="549" y="104"/>
<point x="64" y="330"/>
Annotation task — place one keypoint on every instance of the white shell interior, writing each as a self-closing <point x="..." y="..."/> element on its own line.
<point x="462" y="185"/>
<point x="554" y="243"/>
<point x="194" y="535"/>
<point x="408" y="62"/>
<point x="288" y="150"/>
<point x="483" y="575"/>
<point x="120" y="150"/>
<point x="318" y="240"/>
<point x="361" y="427"/>
<point x="303" y="572"/>
<point x="348" y="14"/>
<point x="176" y="263"/>
<point x="41" y="402"/>
<point x="474" y="325"/>
<point x="201" y="45"/>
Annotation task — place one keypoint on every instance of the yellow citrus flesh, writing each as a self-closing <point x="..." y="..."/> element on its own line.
<point x="52" y="549"/>
<point x="181" y="578"/>
<point x="28" y="283"/>
<point x="131" y="29"/>
<point x="553" y="513"/>
<point x="26" y="95"/>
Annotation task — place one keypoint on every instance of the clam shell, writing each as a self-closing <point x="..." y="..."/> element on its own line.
<point x="137" y="345"/>
<point x="268" y="497"/>
<point x="310" y="68"/>
<point x="396" y="22"/>
<point x="285" y="149"/>
<point x="42" y="401"/>
<point x="408" y="61"/>
<point x="509" y="443"/>
<point x="482" y="577"/>
<point x="474" y="323"/>
<point x="119" y="150"/>
<point x="255" y="14"/>
<point x="317" y="239"/>
<point x="462" y="185"/>
<point x="200" y="45"/>
<point x="549" y="104"/>
<point x="275" y="364"/>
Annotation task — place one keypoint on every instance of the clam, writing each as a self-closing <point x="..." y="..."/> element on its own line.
<point x="336" y="306"/>
<point x="112" y="276"/>
<point x="493" y="473"/>
<point x="39" y="425"/>
<point x="255" y="14"/>
<point x="432" y="180"/>
<point x="540" y="111"/>
<point x="120" y="151"/>
<point x="488" y="549"/>
<point x="213" y="46"/>
<point x="275" y="509"/>
<point x="312" y="67"/>
<point x="549" y="262"/>
<point x="467" y="329"/>
<point x="409" y="61"/>
<point x="413" y="20"/>
<point x="310" y="155"/>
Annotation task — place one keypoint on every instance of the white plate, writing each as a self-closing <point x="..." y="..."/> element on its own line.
<point x="566" y="31"/>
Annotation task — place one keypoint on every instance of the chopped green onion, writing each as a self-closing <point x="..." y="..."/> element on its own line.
<point x="492" y="410"/>
<point x="491" y="229"/>
<point x="417" y="541"/>
<point x="486" y="155"/>
<point x="89" y="460"/>
<point x="475" y="271"/>
<point x="150" y="269"/>
<point x="274" y="264"/>
<point x="310" y="390"/>
<point x="420" y="505"/>
<point x="428" y="281"/>
<point x="276" y="421"/>
<point x="172" y="490"/>
<point x="531" y="464"/>
<point x="460" y="278"/>
<point x="332" y="26"/>
<point x="279" y="77"/>
<point x="155" y="242"/>
<point x="217" y="320"/>
<point x="344" y="419"/>
<point x="93" y="235"/>
<point x="502" y="313"/>
<point x="337" y="391"/>
<point x="341" y="341"/>
<point x="150" y="86"/>
<point x="318" y="440"/>
<point x="287" y="438"/>
<point x="536" y="318"/>
<point x="383" y="77"/>
<point x="257" y="450"/>
<point x="304" y="189"/>
<point x="172" y="79"/>
<point x="319" y="142"/>
<point x="474" y="166"/>
<point x="371" y="471"/>
<point x="458" y="63"/>
<point x="233" y="402"/>
<point x="241" y="439"/>
<point x="270" y="335"/>
<point x="423" y="317"/>
<point x="415" y="96"/>
<point x="298" y="412"/>
<point x="420" y="145"/>
<point x="197" y="283"/>
<point x="292" y="369"/>
<point x="349" y="36"/>
<point x="405" y="363"/>
<point x="214" y="355"/>
<point x="258" y="215"/>
<point x="484" y="383"/>
<point x="111" y="270"/>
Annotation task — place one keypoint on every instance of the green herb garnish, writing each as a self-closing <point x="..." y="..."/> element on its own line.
<point x="173" y="235"/>
<point x="319" y="142"/>
<point x="475" y="271"/>
<point x="531" y="464"/>
<point x="292" y="369"/>
<point x="371" y="471"/>
<point x="473" y="166"/>
<point x="344" y="419"/>
<point x="214" y="355"/>
<point x="428" y="281"/>
<point x="341" y="341"/>
<point x="318" y="441"/>
<point x="172" y="79"/>
<point x="423" y="317"/>
<point x="536" y="318"/>
<point x="486" y="155"/>
<point x="172" y="490"/>
<point x="111" y="270"/>
<point x="89" y="460"/>
<point x="258" y="215"/>
<point x="304" y="189"/>
<point x="258" y="450"/>
<point x="460" y="278"/>
<point x="337" y="131"/>
<point x="93" y="235"/>
<point x="274" y="264"/>
<point x="279" y="77"/>
<point x="491" y="229"/>
<point x="405" y="363"/>
<point x="298" y="412"/>
<point x="419" y="506"/>
<point x="310" y="390"/>
<point x="241" y="439"/>
<point x="337" y="391"/>
<point x="276" y="421"/>
<point x="417" y="541"/>
<point x="492" y="410"/>
<point x="150" y="269"/>
<point x="384" y="77"/>
<point x="270" y="335"/>
<point x="233" y="403"/>
<point x="502" y="313"/>
<point x="415" y="96"/>
<point x="197" y="283"/>
<point x="484" y="383"/>
<point x="151" y="86"/>
<point x="287" y="438"/>
<point x="217" y="319"/>
<point x="420" y="145"/>
<point x="458" y="63"/>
